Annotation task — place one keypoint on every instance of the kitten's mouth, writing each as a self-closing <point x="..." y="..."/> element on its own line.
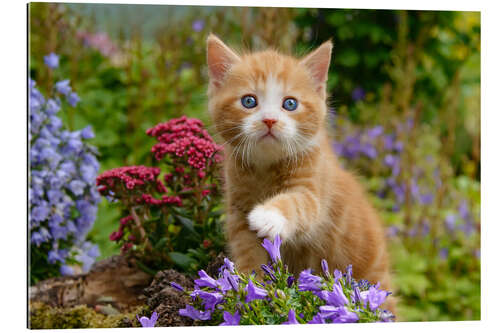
<point x="270" y="135"/>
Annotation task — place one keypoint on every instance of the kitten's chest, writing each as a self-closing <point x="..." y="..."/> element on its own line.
<point x="245" y="190"/>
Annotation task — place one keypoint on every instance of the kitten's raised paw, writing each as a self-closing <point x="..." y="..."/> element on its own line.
<point x="268" y="222"/>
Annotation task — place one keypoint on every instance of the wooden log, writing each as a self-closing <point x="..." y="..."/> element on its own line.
<point x="114" y="281"/>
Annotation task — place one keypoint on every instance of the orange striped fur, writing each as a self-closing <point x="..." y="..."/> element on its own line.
<point x="292" y="183"/>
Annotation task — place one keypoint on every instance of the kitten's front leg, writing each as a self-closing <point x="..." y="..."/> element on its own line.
<point x="244" y="246"/>
<point x="285" y="214"/>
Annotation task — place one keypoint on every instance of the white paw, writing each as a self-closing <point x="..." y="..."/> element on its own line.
<point x="267" y="222"/>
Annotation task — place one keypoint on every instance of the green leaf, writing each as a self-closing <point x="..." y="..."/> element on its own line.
<point x="160" y="243"/>
<point x="181" y="259"/>
<point x="187" y="223"/>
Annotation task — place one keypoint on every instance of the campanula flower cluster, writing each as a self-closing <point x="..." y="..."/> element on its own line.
<point x="170" y="218"/>
<point x="239" y="299"/>
<point x="407" y="182"/>
<point x="63" y="196"/>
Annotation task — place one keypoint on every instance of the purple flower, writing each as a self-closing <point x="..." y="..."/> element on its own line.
<point x="54" y="256"/>
<point x="426" y="199"/>
<point x="146" y="322"/>
<point x="51" y="60"/>
<point x="228" y="264"/>
<point x="336" y="297"/>
<point x="210" y="300"/>
<point x="374" y="132"/>
<point x="63" y="87"/>
<point x="88" y="173"/>
<point x="231" y="320"/>
<point x="52" y="107"/>
<point x="463" y="209"/>
<point x="273" y="248"/>
<point x="392" y="231"/>
<point x="386" y="316"/>
<point x="194" y="314"/>
<point x="73" y="99"/>
<point x="324" y="266"/>
<point x="224" y="284"/>
<point x="374" y="297"/>
<point x="449" y="221"/>
<point x="268" y="271"/>
<point x="289" y="281"/>
<point x="205" y="280"/>
<point x="77" y="186"/>
<point x="443" y="253"/>
<point x="345" y="316"/>
<point x="65" y="270"/>
<point x="338" y="314"/>
<point x="177" y="286"/>
<point x="54" y="196"/>
<point x="198" y="25"/>
<point x="309" y="282"/>
<point x="292" y="320"/>
<point x="369" y="150"/>
<point x="356" y="295"/>
<point x="390" y="160"/>
<point x="398" y="146"/>
<point x="254" y="292"/>
<point x="328" y="311"/>
<point x="40" y="213"/>
<point x="317" y="319"/>
<point x="337" y="274"/>
<point x="469" y="227"/>
<point x="348" y="274"/>
<point x="87" y="133"/>
<point x="228" y="281"/>
<point x="358" y="94"/>
<point x="426" y="228"/>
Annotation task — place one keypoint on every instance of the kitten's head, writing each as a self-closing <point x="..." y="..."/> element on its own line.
<point x="265" y="105"/>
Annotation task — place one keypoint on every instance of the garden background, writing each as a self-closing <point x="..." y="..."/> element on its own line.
<point x="405" y="114"/>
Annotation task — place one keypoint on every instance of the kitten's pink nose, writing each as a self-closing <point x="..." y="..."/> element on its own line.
<point x="269" y="122"/>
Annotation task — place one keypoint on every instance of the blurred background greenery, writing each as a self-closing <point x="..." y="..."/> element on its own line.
<point x="137" y="65"/>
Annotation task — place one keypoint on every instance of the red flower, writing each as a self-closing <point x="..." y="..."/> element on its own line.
<point x="165" y="200"/>
<point x="133" y="177"/>
<point x="185" y="137"/>
<point x="168" y="177"/>
<point x="125" y="220"/>
<point x="207" y="243"/>
<point x="116" y="235"/>
<point x="126" y="247"/>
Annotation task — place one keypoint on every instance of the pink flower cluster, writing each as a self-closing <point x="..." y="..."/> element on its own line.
<point x="185" y="137"/>
<point x="99" y="41"/>
<point x="165" y="200"/>
<point x="131" y="176"/>
<point x="117" y="235"/>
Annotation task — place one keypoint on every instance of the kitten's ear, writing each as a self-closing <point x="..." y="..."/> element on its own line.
<point x="318" y="62"/>
<point x="220" y="58"/>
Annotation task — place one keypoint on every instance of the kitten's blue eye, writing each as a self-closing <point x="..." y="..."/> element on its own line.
<point x="290" y="104"/>
<point x="249" y="101"/>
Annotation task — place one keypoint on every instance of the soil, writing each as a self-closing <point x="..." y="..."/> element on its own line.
<point x="166" y="300"/>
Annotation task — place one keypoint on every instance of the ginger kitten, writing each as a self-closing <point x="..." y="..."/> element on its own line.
<point x="281" y="175"/>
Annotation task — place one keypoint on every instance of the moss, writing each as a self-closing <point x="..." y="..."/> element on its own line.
<point x="43" y="316"/>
